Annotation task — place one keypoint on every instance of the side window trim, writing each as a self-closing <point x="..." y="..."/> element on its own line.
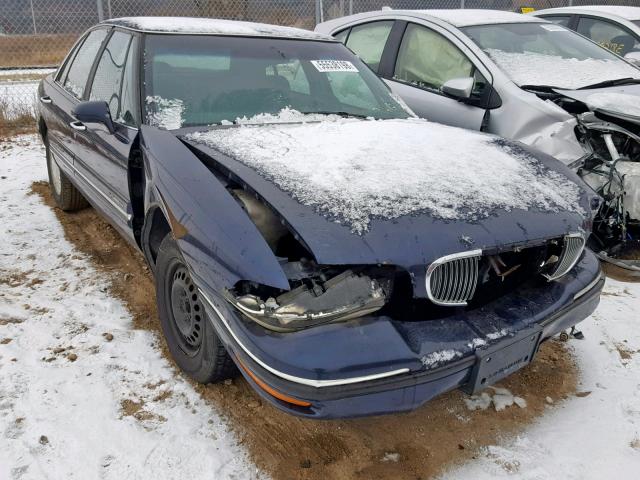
<point x="136" y="75"/>
<point x="391" y="49"/>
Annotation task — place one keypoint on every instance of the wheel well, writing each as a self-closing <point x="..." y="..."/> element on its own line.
<point x="156" y="227"/>
<point x="136" y="179"/>
<point x="42" y="128"/>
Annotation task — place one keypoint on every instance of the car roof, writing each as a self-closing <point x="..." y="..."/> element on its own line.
<point x="471" y="17"/>
<point x="211" y="26"/>
<point x="454" y="17"/>
<point x="626" y="13"/>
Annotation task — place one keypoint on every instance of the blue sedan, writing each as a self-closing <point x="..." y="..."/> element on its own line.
<point x="304" y="228"/>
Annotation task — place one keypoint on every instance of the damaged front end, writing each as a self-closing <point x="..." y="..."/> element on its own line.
<point x="321" y="296"/>
<point x="611" y="167"/>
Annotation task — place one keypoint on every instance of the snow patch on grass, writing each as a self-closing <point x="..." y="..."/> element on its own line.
<point x="594" y="433"/>
<point x="82" y="393"/>
<point x="500" y="399"/>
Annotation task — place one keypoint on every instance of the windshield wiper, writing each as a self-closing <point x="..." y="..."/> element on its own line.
<point x="613" y="83"/>
<point x="341" y="114"/>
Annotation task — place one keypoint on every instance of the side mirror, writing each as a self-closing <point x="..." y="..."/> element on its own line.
<point x="94" y="112"/>
<point x="633" y="57"/>
<point x="459" y="88"/>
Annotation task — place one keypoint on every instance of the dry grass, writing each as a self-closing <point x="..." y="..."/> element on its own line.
<point x="20" y="121"/>
<point x="34" y="50"/>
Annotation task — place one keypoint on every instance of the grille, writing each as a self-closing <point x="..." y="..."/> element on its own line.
<point x="571" y="251"/>
<point x="452" y="280"/>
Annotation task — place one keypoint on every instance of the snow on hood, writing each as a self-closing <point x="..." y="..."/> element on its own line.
<point x="615" y="102"/>
<point x="554" y="71"/>
<point x="214" y="27"/>
<point x="352" y="171"/>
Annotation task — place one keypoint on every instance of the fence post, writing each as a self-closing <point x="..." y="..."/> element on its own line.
<point x="109" y="12"/>
<point x="100" y="10"/>
<point x="461" y="3"/>
<point x="319" y="12"/>
<point x="33" y="18"/>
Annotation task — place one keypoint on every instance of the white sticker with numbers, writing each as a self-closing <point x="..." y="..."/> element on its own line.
<point x="334" y="66"/>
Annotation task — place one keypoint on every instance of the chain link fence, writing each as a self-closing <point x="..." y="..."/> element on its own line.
<point x="35" y="35"/>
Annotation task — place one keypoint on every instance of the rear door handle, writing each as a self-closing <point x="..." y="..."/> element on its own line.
<point x="46" y="99"/>
<point x="78" y="126"/>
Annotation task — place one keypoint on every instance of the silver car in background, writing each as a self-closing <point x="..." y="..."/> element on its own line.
<point x="612" y="26"/>
<point x="520" y="77"/>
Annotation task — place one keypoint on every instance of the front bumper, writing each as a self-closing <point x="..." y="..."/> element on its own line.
<point x="403" y="381"/>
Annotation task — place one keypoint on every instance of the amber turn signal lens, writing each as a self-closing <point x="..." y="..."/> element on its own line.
<point x="271" y="391"/>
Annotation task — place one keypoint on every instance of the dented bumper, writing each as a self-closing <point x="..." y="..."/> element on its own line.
<point x="373" y="366"/>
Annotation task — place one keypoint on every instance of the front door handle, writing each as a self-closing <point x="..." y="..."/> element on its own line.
<point x="46" y="99"/>
<point x="78" y="126"/>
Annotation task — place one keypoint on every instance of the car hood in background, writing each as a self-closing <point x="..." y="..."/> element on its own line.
<point x="403" y="192"/>
<point x="622" y="101"/>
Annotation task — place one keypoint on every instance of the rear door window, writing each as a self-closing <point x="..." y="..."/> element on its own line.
<point x="608" y="35"/>
<point x="110" y="75"/>
<point x="427" y="59"/>
<point x="368" y="41"/>
<point x="78" y="74"/>
<point x="342" y="36"/>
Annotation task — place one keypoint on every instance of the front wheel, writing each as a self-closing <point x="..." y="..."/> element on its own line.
<point x="66" y="195"/>
<point x="192" y="341"/>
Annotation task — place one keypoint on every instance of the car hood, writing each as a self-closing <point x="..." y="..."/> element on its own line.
<point x="401" y="192"/>
<point x="622" y="102"/>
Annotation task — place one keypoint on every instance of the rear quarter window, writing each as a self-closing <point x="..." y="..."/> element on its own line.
<point x="78" y="74"/>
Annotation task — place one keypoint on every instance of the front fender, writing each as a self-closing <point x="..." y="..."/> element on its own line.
<point x="219" y="242"/>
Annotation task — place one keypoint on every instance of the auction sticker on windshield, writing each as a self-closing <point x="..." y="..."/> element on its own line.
<point x="334" y="66"/>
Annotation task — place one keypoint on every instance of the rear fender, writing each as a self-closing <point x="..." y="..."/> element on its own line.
<point x="219" y="242"/>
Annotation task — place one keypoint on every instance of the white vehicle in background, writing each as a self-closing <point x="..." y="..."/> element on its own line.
<point x="614" y="27"/>
<point x="523" y="78"/>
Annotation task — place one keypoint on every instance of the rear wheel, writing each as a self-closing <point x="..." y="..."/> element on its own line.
<point x="66" y="195"/>
<point x="191" y="339"/>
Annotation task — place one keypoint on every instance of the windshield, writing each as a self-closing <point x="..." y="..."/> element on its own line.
<point x="204" y="80"/>
<point x="542" y="54"/>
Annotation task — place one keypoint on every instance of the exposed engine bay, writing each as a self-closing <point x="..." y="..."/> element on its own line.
<point x="611" y="166"/>
<point x="321" y="294"/>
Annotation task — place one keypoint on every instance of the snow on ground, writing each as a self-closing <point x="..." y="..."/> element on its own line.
<point x="597" y="433"/>
<point x="74" y="402"/>
<point x="10" y="72"/>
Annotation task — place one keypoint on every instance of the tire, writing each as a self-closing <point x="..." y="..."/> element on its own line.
<point x="192" y="341"/>
<point x="66" y="195"/>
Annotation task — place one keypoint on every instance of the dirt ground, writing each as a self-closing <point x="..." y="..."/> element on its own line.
<point x="416" y="445"/>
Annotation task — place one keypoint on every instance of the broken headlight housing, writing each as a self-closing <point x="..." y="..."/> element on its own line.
<point x="317" y="296"/>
